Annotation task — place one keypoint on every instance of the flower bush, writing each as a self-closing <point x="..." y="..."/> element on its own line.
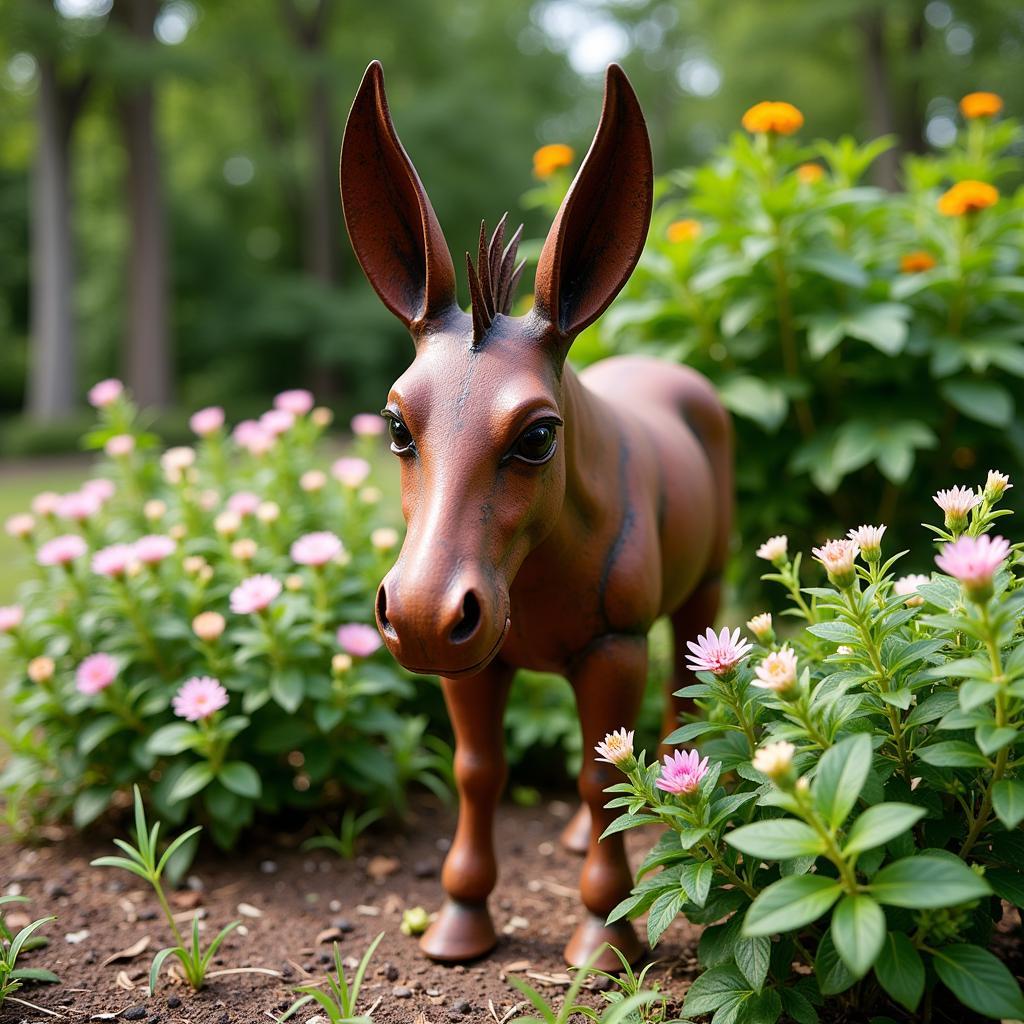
<point x="854" y="820"/>
<point x="199" y="623"/>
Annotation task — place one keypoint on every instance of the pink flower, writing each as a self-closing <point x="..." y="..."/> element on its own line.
<point x="153" y="548"/>
<point x="974" y="561"/>
<point x="11" y="617"/>
<point x="368" y="424"/>
<point x="682" y="772"/>
<point x="956" y="504"/>
<point x="198" y="698"/>
<point x="252" y="437"/>
<point x="296" y="402"/>
<point x="101" y="489"/>
<point x="45" y="504"/>
<point x="244" y="503"/>
<point x="254" y="594"/>
<point x="61" y="550"/>
<point x="838" y="557"/>
<point x="105" y="393"/>
<point x="277" y="422"/>
<point x="616" y="748"/>
<point x="207" y="421"/>
<point x="95" y="673"/>
<point x="316" y="548"/>
<point x="20" y="526"/>
<point x="358" y="639"/>
<point x="120" y="446"/>
<point x="78" y="506"/>
<point x="350" y="471"/>
<point x="869" y="540"/>
<point x="313" y="481"/>
<point x="114" y="561"/>
<point x="717" y="654"/>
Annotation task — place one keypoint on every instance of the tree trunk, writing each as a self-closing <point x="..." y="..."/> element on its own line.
<point x="878" y="87"/>
<point x="147" y="349"/>
<point x="52" y="353"/>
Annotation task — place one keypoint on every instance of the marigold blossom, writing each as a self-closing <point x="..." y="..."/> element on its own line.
<point x="277" y="421"/>
<point x="40" y="670"/>
<point x="384" y="538"/>
<point x="153" y="548"/>
<point x="350" y="472"/>
<point x="777" y="671"/>
<point x="105" y="393"/>
<point x="682" y="772"/>
<point x="551" y="158"/>
<point x="956" y="503"/>
<point x="95" y="673"/>
<point x="244" y="503"/>
<point x="254" y="594"/>
<point x="358" y="639"/>
<point x="78" y="506"/>
<point x="718" y="654"/>
<point x="61" y="550"/>
<point x="771" y="117"/>
<point x="45" y="503"/>
<point x="774" y="549"/>
<point x="980" y="104"/>
<point x="207" y="421"/>
<point x="316" y="549"/>
<point x="837" y="556"/>
<point x="616" y="748"/>
<point x="967" y="197"/>
<point x="11" y="617"/>
<point x="199" y="698"/>
<point x="208" y="626"/>
<point x="996" y="484"/>
<point x="685" y="230"/>
<point x="20" y="526"/>
<point x="114" y="560"/>
<point x="297" y="401"/>
<point x="810" y="173"/>
<point x="917" y="262"/>
<point x="120" y="446"/>
<point x="774" y="759"/>
<point x="906" y="586"/>
<point x="313" y="481"/>
<point x="368" y="424"/>
<point x="974" y="561"/>
<point x="761" y="627"/>
<point x="869" y="540"/>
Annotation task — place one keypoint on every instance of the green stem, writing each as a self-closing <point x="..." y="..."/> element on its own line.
<point x="165" y="906"/>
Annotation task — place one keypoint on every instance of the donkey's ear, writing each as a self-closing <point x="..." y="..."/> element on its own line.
<point x="599" y="232"/>
<point x="392" y="225"/>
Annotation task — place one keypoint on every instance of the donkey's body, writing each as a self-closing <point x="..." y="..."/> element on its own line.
<point x="552" y="517"/>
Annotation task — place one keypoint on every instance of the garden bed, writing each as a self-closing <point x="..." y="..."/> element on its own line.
<point x="303" y="901"/>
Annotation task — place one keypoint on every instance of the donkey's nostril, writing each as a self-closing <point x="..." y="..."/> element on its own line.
<point x="382" y="612"/>
<point x="466" y="626"/>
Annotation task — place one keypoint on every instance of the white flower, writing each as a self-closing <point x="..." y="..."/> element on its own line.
<point x="616" y="748"/>
<point x="906" y="586"/>
<point x="775" y="759"/>
<point x="777" y="671"/>
<point x="774" y="549"/>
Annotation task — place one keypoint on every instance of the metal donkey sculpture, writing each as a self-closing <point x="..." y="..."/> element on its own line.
<point x="552" y="517"/>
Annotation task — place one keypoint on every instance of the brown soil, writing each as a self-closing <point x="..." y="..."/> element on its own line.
<point x="299" y="897"/>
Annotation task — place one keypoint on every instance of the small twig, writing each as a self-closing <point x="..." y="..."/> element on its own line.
<point x="41" y="1009"/>
<point x="244" y="970"/>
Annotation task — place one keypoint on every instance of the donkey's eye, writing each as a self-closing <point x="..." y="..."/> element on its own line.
<point x="401" y="439"/>
<point x="536" y="444"/>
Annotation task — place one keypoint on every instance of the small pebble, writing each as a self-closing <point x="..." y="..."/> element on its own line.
<point x="195" y="883"/>
<point x="343" y="924"/>
<point x="425" y="868"/>
<point x="173" y="1002"/>
<point x="464" y="1006"/>
<point x="391" y="972"/>
<point x="134" y="1013"/>
<point x="401" y="992"/>
<point x="268" y="867"/>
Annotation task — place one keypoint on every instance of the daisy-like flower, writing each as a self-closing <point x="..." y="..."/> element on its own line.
<point x="244" y="549"/>
<point x="253" y="438"/>
<point x="120" y="446"/>
<point x="227" y="524"/>
<point x="869" y="540"/>
<point x="208" y="626"/>
<point x="176" y="463"/>
<point x="153" y="548"/>
<point x="551" y="158"/>
<point x="277" y="421"/>
<point x="906" y="586"/>
<point x="243" y="503"/>
<point x="40" y="670"/>
<point x="316" y="549"/>
<point x="313" y="481"/>
<point x="682" y="772"/>
<point x="341" y="663"/>
<point x="616" y="748"/>
<point x="11" y="617"/>
<point x="774" y="550"/>
<point x="956" y="504"/>
<point x="254" y="594"/>
<point x="78" y="506"/>
<point x="761" y="627"/>
<point x="974" y="561"/>
<point x="718" y="654"/>
<point x="298" y="401"/>
<point x="774" y="759"/>
<point x="199" y="698"/>
<point x="368" y="424"/>
<point x="207" y="421"/>
<point x="100" y="488"/>
<point x="384" y="538"/>
<point x="773" y="118"/>
<point x="105" y="393"/>
<point x="20" y="526"/>
<point x="95" y="673"/>
<point x="114" y="561"/>
<point x="350" y="472"/>
<point x="838" y="557"/>
<point x="777" y="671"/>
<point x="268" y="512"/>
<point x="358" y="639"/>
<point x="45" y="504"/>
<point x="154" y="510"/>
<point x="61" y="550"/>
<point x="996" y="484"/>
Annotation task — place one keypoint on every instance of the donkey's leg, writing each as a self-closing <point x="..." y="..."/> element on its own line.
<point x="609" y="684"/>
<point x="476" y="705"/>
<point x="692" y="617"/>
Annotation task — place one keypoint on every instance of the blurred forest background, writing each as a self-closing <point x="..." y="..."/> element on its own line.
<point x="168" y="171"/>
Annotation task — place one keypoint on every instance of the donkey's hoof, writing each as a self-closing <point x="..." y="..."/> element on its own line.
<point x="461" y="932"/>
<point x="576" y="835"/>
<point x="592" y="933"/>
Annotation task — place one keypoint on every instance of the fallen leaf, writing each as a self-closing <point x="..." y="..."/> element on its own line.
<point x="380" y="868"/>
<point x="368" y="911"/>
<point x="328" y="935"/>
<point x="248" y="910"/>
<point x="130" y="953"/>
<point x="549" y="979"/>
<point x="517" y="965"/>
<point x="123" y="981"/>
<point x="17" y="919"/>
<point x="76" y="937"/>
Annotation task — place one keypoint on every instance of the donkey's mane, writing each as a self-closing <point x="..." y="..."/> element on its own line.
<point x="492" y="282"/>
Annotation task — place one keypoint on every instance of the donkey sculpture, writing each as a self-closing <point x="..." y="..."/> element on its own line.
<point x="552" y="518"/>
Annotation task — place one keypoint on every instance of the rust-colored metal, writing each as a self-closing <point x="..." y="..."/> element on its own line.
<point x="552" y="518"/>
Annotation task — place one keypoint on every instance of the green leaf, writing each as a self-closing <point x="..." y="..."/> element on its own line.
<point x="952" y="754"/>
<point x="1008" y="801"/>
<point x="1008" y="884"/>
<point x="858" y="932"/>
<point x="831" y="973"/>
<point x="780" y="839"/>
<point x="981" y="400"/>
<point x="241" y="778"/>
<point x="900" y="971"/>
<point x="878" y="824"/>
<point x="172" y="739"/>
<point x="664" y="911"/>
<point x="288" y="688"/>
<point x="980" y="981"/>
<point x="836" y="266"/>
<point x="90" y="804"/>
<point x="752" y="957"/>
<point x="98" y="730"/>
<point x="714" y="989"/>
<point x="756" y="400"/>
<point x="790" y="903"/>
<point x="926" y="882"/>
<point x="158" y="962"/>
<point x="696" y="878"/>
<point x="883" y="326"/>
<point x="194" y="779"/>
<point x="991" y="738"/>
<point x="627" y="821"/>
<point x="842" y="772"/>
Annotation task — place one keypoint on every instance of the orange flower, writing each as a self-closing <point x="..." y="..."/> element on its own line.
<point x="917" y="261"/>
<point x="967" y="197"/>
<point x="549" y="159"/>
<point x="684" y="230"/>
<point x="980" y="104"/>
<point x="810" y="174"/>
<point x="780" y="118"/>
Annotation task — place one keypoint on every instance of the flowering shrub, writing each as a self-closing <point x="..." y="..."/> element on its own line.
<point x="200" y="623"/>
<point x="852" y="331"/>
<point x="858" y="804"/>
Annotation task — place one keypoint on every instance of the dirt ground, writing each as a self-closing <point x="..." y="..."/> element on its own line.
<point x="292" y="905"/>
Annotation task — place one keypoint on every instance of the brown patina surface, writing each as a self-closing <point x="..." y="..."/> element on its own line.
<point x="552" y="517"/>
